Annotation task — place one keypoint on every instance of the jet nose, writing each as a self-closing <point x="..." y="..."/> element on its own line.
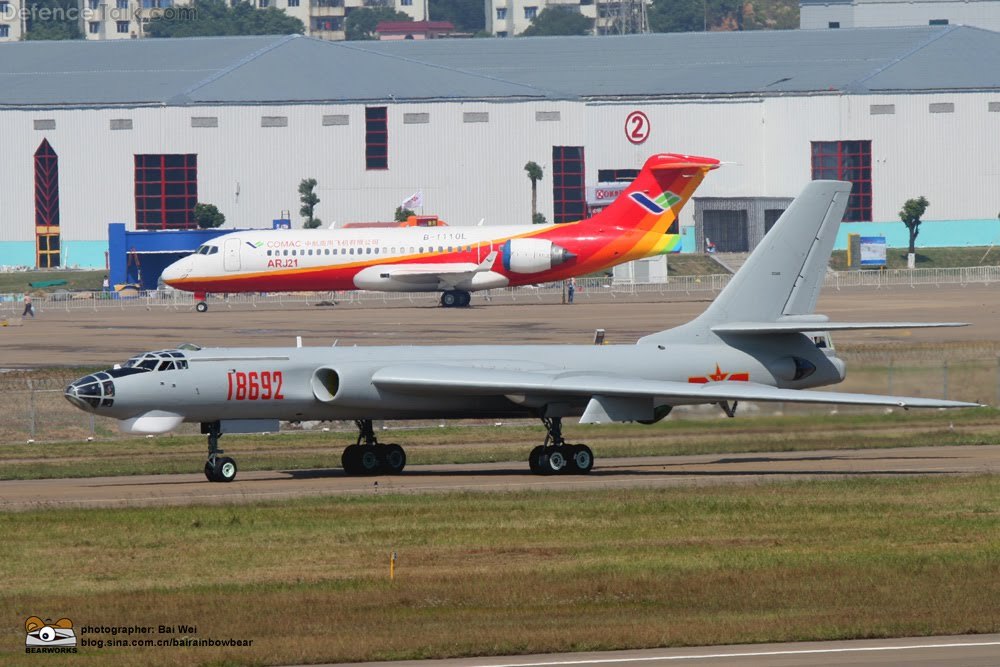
<point x="91" y="392"/>
<point x="177" y="271"/>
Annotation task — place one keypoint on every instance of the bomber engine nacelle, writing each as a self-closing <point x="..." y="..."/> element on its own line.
<point x="345" y="385"/>
<point x="533" y="255"/>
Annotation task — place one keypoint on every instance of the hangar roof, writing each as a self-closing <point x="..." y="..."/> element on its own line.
<point x="295" y="69"/>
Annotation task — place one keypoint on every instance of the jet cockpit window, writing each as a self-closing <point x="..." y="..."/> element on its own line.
<point x="163" y="360"/>
<point x="207" y="250"/>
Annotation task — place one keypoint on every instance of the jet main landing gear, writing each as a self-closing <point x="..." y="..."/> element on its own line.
<point x="217" y="468"/>
<point x="372" y="458"/>
<point x="556" y="456"/>
<point x="455" y="298"/>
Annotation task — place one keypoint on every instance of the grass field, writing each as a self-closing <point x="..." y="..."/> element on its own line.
<point x="307" y="580"/>
<point x="929" y="258"/>
<point x="475" y="444"/>
<point x="16" y="282"/>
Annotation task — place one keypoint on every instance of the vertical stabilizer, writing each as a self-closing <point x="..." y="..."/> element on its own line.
<point x="784" y="274"/>
<point x="654" y="199"/>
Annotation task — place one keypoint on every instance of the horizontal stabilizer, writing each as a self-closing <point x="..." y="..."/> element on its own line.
<point x="805" y="326"/>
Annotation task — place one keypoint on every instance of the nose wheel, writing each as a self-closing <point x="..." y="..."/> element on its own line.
<point x="558" y="457"/>
<point x="217" y="468"/>
<point x="369" y="457"/>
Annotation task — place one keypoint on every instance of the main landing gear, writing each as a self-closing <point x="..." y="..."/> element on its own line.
<point x="217" y="468"/>
<point x="556" y="456"/>
<point x="455" y="298"/>
<point x="372" y="458"/>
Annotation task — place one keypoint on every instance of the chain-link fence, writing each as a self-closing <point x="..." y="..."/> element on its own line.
<point x="11" y="305"/>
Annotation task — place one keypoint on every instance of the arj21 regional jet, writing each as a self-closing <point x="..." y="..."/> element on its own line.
<point x="455" y="261"/>
<point x="758" y="341"/>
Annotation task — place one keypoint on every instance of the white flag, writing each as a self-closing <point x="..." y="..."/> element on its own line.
<point x="416" y="200"/>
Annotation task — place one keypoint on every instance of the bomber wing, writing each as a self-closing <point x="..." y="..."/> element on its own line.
<point x="612" y="389"/>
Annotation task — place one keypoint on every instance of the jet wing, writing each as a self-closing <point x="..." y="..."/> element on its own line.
<point x="447" y="273"/>
<point x="421" y="378"/>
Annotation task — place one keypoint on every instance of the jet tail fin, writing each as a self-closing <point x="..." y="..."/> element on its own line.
<point x="654" y="199"/>
<point x="783" y="276"/>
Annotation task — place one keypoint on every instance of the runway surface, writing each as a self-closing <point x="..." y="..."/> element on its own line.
<point x="956" y="651"/>
<point x="659" y="471"/>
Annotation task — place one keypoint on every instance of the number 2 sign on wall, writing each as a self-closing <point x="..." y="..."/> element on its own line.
<point x="637" y="127"/>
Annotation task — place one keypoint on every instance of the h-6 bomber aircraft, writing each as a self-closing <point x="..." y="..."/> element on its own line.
<point x="455" y="261"/>
<point x="758" y="341"/>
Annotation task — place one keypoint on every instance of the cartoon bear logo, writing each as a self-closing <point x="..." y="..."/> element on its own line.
<point x="47" y="633"/>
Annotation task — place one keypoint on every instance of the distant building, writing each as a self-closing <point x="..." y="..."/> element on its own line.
<point x="127" y="19"/>
<point x="826" y="14"/>
<point x="11" y="20"/>
<point x="507" y="18"/>
<point x="390" y="30"/>
<point x="138" y="131"/>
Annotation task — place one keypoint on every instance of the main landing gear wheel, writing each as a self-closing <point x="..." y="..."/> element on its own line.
<point x="555" y="456"/>
<point x="217" y="468"/>
<point x="455" y="299"/>
<point x="372" y="458"/>
<point x="201" y="307"/>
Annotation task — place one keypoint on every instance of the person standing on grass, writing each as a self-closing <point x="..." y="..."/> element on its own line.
<point x="28" y="308"/>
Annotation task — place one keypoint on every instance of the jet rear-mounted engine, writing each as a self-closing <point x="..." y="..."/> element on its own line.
<point x="792" y="369"/>
<point x="533" y="255"/>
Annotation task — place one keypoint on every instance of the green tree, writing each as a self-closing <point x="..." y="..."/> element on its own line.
<point x="208" y="18"/>
<point x="913" y="210"/>
<point x="538" y="219"/>
<point x="309" y="199"/>
<point x="535" y="174"/>
<point x="208" y="216"/>
<point x="402" y="214"/>
<point x="52" y="20"/>
<point x="699" y="15"/>
<point x="559" y="20"/>
<point x="361" y="23"/>
<point x="465" y="15"/>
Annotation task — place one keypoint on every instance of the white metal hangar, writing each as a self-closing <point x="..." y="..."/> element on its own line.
<point x="138" y="131"/>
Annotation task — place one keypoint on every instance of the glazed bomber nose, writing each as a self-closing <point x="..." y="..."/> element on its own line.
<point x="91" y="392"/>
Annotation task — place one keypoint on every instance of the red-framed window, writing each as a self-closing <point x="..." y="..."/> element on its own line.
<point x="166" y="190"/>
<point x="847" y="161"/>
<point x="376" y="138"/>
<point x="46" y="207"/>
<point x="569" y="195"/>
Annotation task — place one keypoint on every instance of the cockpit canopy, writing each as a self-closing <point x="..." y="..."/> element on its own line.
<point x="207" y="250"/>
<point x="162" y="360"/>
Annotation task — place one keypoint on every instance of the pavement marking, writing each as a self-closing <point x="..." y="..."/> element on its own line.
<point x="748" y="654"/>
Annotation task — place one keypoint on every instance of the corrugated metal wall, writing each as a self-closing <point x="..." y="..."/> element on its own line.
<point x="471" y="165"/>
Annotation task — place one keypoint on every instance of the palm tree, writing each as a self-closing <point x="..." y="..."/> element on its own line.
<point x="534" y="175"/>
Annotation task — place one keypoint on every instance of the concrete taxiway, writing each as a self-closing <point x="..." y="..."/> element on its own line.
<point x="658" y="471"/>
<point x="955" y="651"/>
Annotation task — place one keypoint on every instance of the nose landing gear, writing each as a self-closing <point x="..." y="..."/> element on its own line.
<point x="217" y="468"/>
